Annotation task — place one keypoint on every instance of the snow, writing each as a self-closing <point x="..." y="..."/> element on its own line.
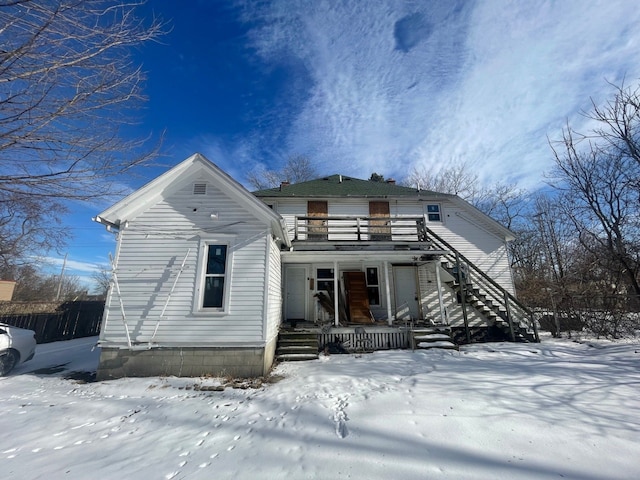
<point x="559" y="409"/>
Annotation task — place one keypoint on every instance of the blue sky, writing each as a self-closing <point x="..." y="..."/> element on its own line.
<point x="380" y="86"/>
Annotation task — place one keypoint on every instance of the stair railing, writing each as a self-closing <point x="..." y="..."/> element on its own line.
<point x="513" y="311"/>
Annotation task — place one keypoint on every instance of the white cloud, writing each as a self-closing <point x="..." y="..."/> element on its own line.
<point x="395" y="84"/>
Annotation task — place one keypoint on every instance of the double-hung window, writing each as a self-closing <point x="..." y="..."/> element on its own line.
<point x="433" y="213"/>
<point x="215" y="282"/>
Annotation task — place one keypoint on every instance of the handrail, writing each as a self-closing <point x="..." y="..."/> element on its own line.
<point x="442" y="244"/>
<point x="361" y="228"/>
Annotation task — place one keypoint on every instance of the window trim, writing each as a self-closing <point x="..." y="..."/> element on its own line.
<point x="203" y="251"/>
<point x="428" y="213"/>
<point x="377" y="286"/>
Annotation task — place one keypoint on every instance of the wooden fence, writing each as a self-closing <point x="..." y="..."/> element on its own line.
<point x="70" y="320"/>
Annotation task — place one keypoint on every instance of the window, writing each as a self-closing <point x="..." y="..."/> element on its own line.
<point x="324" y="278"/>
<point x="214" y="277"/>
<point x="433" y="213"/>
<point x="373" y="286"/>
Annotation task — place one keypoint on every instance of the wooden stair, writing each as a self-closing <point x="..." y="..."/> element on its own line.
<point x="296" y="345"/>
<point x="438" y="336"/>
<point x="496" y="313"/>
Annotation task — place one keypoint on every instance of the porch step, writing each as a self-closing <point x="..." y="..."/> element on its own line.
<point x="432" y="337"/>
<point x="297" y="345"/>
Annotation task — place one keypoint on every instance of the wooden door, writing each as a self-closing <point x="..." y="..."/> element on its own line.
<point x="355" y="286"/>
<point x="379" y="227"/>
<point x="317" y="229"/>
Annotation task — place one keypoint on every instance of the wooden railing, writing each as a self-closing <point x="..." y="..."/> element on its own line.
<point x="361" y="229"/>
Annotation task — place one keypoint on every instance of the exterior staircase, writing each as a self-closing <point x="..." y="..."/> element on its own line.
<point x="477" y="290"/>
<point x="438" y="336"/>
<point x="296" y="345"/>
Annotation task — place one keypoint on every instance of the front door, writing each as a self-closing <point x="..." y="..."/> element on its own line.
<point x="296" y="293"/>
<point x="406" y="293"/>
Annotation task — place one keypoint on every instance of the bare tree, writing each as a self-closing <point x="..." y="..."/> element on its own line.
<point x="68" y="83"/>
<point x="32" y="286"/>
<point x="297" y="169"/>
<point x="618" y="122"/>
<point x="601" y="199"/>
<point x="102" y="281"/>
<point x="501" y="201"/>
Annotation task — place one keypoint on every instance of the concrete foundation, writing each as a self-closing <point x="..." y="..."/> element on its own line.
<point x="236" y="362"/>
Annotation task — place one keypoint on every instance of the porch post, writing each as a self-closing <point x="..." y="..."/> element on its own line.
<point x="439" y="287"/>
<point x="387" y="291"/>
<point x="336" y="294"/>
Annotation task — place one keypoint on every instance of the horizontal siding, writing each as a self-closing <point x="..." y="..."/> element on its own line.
<point x="274" y="291"/>
<point x="151" y="251"/>
<point x="459" y="228"/>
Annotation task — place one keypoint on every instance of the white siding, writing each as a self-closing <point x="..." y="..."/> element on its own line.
<point x="459" y="228"/>
<point x="274" y="291"/>
<point x="151" y="250"/>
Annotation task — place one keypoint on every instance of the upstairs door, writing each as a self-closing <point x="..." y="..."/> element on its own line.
<point x="317" y="229"/>
<point x="379" y="228"/>
<point x="406" y="293"/>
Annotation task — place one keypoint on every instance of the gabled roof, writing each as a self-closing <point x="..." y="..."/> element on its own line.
<point x="153" y="192"/>
<point x="344" y="186"/>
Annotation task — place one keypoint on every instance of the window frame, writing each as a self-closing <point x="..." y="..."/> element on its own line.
<point x="202" y="275"/>
<point x="429" y="213"/>
<point x="371" y="286"/>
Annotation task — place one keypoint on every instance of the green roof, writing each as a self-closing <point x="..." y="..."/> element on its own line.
<point x="343" y="186"/>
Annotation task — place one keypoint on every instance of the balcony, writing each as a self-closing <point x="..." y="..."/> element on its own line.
<point x="359" y="229"/>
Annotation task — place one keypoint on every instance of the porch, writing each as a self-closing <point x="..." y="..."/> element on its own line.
<point x="360" y="229"/>
<point x="389" y="270"/>
<point x="306" y="341"/>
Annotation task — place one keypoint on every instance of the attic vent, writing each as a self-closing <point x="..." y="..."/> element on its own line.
<point x="200" y="189"/>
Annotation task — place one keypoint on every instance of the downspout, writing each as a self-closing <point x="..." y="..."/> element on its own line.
<point x="336" y="294"/>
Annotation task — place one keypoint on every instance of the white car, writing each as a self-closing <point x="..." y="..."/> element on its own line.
<point x="17" y="345"/>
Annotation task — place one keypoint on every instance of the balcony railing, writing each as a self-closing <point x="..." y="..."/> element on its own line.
<point x="361" y="229"/>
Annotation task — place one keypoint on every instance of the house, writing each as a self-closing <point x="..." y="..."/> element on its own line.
<point x="206" y="274"/>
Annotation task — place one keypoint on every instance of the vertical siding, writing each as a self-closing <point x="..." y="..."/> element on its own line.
<point x="151" y="250"/>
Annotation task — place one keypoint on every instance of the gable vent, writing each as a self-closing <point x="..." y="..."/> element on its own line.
<point x="200" y="189"/>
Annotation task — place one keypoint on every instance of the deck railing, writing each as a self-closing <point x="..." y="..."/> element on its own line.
<point x="361" y="229"/>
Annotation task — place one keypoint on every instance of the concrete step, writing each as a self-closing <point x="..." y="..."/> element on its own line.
<point x="439" y="344"/>
<point x="296" y="357"/>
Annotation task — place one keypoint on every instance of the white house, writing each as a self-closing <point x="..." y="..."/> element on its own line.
<point x="206" y="273"/>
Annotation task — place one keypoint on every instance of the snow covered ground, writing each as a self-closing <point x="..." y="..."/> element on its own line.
<point x="558" y="409"/>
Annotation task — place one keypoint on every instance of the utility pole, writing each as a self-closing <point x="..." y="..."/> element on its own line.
<point x="64" y="264"/>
